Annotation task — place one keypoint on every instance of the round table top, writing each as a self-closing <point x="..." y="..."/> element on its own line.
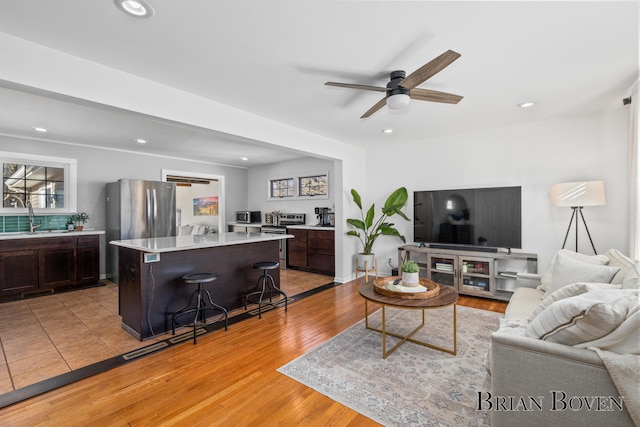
<point x="447" y="296"/>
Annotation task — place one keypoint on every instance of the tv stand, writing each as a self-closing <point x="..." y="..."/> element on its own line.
<point x="471" y="270"/>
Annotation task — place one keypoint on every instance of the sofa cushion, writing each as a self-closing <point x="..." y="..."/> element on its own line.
<point x="522" y="303"/>
<point x="591" y="259"/>
<point x="570" y="290"/>
<point x="567" y="270"/>
<point x="584" y="317"/>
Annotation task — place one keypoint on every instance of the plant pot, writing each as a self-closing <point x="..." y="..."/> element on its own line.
<point x="410" y="279"/>
<point x="79" y="227"/>
<point x="361" y="259"/>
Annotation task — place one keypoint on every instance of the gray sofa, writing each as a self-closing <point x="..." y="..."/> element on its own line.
<point x="543" y="374"/>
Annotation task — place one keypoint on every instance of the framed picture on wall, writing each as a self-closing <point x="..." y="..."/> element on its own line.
<point x="205" y="206"/>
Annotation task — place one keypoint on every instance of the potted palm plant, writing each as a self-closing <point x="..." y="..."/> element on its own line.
<point x="410" y="273"/>
<point x="368" y="231"/>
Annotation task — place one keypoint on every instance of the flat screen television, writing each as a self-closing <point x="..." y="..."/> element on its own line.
<point x="478" y="217"/>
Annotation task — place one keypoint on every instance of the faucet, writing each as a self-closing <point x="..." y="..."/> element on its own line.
<point x="32" y="228"/>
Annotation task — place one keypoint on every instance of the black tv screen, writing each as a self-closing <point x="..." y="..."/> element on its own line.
<point x="484" y="217"/>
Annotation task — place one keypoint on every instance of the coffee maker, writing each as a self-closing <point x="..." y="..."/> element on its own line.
<point x="325" y="217"/>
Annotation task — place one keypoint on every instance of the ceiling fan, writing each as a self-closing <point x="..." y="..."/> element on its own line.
<point x="400" y="89"/>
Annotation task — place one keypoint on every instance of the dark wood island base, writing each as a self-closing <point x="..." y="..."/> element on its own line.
<point x="149" y="293"/>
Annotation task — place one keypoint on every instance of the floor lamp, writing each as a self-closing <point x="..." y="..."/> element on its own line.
<point x="576" y="195"/>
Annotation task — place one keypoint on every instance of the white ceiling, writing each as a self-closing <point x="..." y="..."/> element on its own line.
<point x="271" y="58"/>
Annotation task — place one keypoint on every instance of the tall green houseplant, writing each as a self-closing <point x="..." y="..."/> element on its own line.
<point x="367" y="230"/>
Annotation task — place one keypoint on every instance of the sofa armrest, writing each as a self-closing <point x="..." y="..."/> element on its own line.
<point x="528" y="280"/>
<point x="551" y="374"/>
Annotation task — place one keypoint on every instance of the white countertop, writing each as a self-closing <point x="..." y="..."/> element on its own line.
<point x="40" y="234"/>
<point x="299" y="227"/>
<point x="311" y="227"/>
<point x="181" y="243"/>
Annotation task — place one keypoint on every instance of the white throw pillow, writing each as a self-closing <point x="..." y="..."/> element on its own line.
<point x="569" y="291"/>
<point x="631" y="278"/>
<point x="568" y="270"/>
<point x="582" y="318"/>
<point x="591" y="259"/>
<point x="185" y="230"/>
<point x="618" y="259"/>
<point x="625" y="339"/>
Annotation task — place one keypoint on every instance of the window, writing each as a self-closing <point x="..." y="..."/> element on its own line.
<point x="299" y="188"/>
<point x="313" y="185"/>
<point x="280" y="188"/>
<point x="47" y="183"/>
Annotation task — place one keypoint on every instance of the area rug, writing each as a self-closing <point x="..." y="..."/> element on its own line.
<point x="415" y="385"/>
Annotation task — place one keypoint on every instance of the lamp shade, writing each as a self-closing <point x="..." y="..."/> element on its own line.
<point x="583" y="193"/>
<point x="399" y="101"/>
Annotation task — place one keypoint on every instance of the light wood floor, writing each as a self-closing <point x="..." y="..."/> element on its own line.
<point x="228" y="378"/>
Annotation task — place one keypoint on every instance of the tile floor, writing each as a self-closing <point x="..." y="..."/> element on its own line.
<point x="54" y="334"/>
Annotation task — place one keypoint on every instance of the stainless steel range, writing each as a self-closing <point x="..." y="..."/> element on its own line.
<point x="279" y="226"/>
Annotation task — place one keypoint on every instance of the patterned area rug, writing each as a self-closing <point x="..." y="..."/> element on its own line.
<point x="415" y="385"/>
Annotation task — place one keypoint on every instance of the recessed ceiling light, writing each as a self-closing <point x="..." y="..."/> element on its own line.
<point x="140" y="141"/>
<point x="40" y="129"/>
<point x="137" y="8"/>
<point x="527" y="104"/>
<point x="244" y="159"/>
<point x="387" y="130"/>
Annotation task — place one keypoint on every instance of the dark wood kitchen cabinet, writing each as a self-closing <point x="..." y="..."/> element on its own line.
<point x="88" y="260"/>
<point x="297" y="248"/>
<point x="312" y="250"/>
<point x="32" y="266"/>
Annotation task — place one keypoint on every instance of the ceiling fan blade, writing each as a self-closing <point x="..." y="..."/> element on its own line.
<point x="429" y="69"/>
<point x="354" y="86"/>
<point x="375" y="108"/>
<point x="434" y="96"/>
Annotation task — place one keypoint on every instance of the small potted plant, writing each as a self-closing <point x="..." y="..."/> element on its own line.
<point x="410" y="273"/>
<point x="79" y="220"/>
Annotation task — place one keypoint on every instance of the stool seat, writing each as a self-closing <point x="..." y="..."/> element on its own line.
<point x="195" y="278"/>
<point x="199" y="310"/>
<point x="265" y="285"/>
<point x="265" y="265"/>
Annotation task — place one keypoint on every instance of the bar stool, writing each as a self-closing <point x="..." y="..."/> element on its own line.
<point x="265" y="284"/>
<point x="201" y="307"/>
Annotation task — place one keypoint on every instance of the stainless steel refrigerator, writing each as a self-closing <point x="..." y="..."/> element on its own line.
<point x="138" y="209"/>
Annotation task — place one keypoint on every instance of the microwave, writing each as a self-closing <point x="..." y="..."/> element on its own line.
<point x="247" y="217"/>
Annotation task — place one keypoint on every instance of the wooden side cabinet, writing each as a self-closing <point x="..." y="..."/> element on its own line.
<point x="45" y="264"/>
<point x="312" y="250"/>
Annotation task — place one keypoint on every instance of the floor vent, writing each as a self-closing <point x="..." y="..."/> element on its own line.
<point x="34" y="294"/>
<point x="187" y="336"/>
<point x="145" y="350"/>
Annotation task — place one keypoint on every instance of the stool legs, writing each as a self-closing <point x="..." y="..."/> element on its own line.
<point x="266" y="284"/>
<point x="199" y="311"/>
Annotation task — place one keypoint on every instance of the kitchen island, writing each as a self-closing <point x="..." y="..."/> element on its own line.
<point x="151" y="270"/>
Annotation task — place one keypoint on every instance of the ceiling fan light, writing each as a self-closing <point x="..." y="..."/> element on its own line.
<point x="398" y="102"/>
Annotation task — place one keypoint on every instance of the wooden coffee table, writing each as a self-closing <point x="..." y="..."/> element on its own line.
<point x="447" y="296"/>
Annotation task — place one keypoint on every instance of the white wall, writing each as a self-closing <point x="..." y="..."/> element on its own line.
<point x="258" y="177"/>
<point x="184" y="202"/>
<point x="533" y="156"/>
